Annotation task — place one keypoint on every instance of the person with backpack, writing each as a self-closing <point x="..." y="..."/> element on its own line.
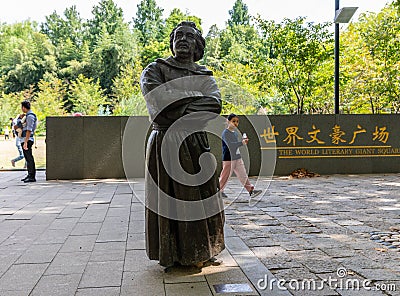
<point x="28" y="132"/>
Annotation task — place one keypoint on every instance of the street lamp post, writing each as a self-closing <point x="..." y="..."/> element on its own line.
<point x="341" y="16"/>
<point x="337" y="45"/>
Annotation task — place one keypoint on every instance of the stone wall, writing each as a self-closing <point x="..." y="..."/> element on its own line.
<point x="92" y="147"/>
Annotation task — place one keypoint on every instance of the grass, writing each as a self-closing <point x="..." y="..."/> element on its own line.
<point x="9" y="151"/>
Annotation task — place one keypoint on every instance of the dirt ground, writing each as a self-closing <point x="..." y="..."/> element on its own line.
<point x="9" y="151"/>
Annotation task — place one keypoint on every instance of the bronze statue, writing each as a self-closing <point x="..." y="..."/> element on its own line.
<point x="184" y="212"/>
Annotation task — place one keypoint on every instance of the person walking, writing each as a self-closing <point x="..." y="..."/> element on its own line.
<point x="12" y="123"/>
<point x="17" y="123"/>
<point x="6" y="133"/>
<point x="231" y="158"/>
<point x="28" y="132"/>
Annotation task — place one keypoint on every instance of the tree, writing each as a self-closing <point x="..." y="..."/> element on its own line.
<point x="26" y="56"/>
<point x="106" y="16"/>
<point x="298" y="51"/>
<point x="49" y="101"/>
<point x="127" y="95"/>
<point x="239" y="14"/>
<point x="239" y="88"/>
<point x="371" y="61"/>
<point x="148" y="22"/>
<point x="212" y="52"/>
<point x="86" y="96"/>
<point x="241" y="44"/>
<point x="152" y="51"/>
<point x="10" y="106"/>
<point x="69" y="34"/>
<point x="114" y="46"/>
<point x="60" y="29"/>
<point x="175" y="17"/>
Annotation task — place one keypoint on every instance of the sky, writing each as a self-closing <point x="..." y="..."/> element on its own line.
<point x="211" y="12"/>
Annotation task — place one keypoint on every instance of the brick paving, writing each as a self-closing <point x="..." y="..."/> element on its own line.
<point x="87" y="238"/>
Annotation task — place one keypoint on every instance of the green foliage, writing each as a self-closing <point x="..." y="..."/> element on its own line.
<point x="238" y="88"/>
<point x="60" y="29"/>
<point x="241" y="44"/>
<point x="153" y="51"/>
<point x="371" y="60"/>
<point x="93" y="66"/>
<point x="148" y="22"/>
<point x="74" y="60"/>
<point x="107" y="16"/>
<point x="49" y="101"/>
<point x="26" y="56"/>
<point x="110" y="55"/>
<point x="239" y="14"/>
<point x="127" y="93"/>
<point x="86" y="96"/>
<point x="298" y="51"/>
<point x="212" y="52"/>
<point x="175" y="17"/>
<point x="134" y="105"/>
<point x="10" y="107"/>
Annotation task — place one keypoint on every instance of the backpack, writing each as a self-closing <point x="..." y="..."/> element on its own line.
<point x="32" y="134"/>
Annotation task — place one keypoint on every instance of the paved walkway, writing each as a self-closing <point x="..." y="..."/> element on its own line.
<point x="320" y="236"/>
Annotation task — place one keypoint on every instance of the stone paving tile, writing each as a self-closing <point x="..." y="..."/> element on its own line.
<point x="7" y="260"/>
<point x="39" y="254"/>
<point x="136" y="241"/>
<point x="71" y="212"/>
<point x="137" y="260"/>
<point x="112" y="233"/>
<point x="184" y="274"/>
<point x="42" y="219"/>
<point x="92" y="215"/>
<point x="280" y="262"/>
<point x="146" y="282"/>
<point x="268" y="252"/>
<point x="262" y="279"/>
<point x="102" y="274"/>
<point x="107" y="291"/>
<point x="381" y="274"/>
<point x="300" y="228"/>
<point x="119" y="212"/>
<point x="136" y="226"/>
<point x="64" y="224"/>
<point x="332" y="235"/>
<point x="82" y="243"/>
<point x="68" y="263"/>
<point x="109" y="251"/>
<point x="137" y="216"/>
<point x="236" y="246"/>
<point x="193" y="289"/>
<point x="227" y="259"/>
<point x="86" y="229"/>
<point x="228" y="275"/>
<point x="360" y="292"/>
<point x="22" y="277"/>
<point x="60" y="285"/>
<point x="53" y="236"/>
<point x="323" y="265"/>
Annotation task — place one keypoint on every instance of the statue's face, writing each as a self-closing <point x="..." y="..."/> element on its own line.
<point x="184" y="43"/>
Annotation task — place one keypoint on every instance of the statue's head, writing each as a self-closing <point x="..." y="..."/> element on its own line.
<point x="186" y="39"/>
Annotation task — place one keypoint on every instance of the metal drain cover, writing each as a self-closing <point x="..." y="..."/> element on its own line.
<point x="232" y="288"/>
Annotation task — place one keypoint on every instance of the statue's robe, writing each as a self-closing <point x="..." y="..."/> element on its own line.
<point x="170" y="240"/>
